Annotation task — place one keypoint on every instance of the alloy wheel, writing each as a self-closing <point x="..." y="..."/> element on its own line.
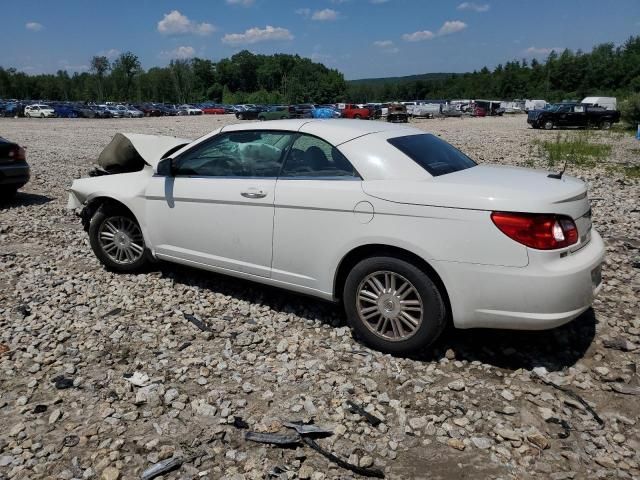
<point x="121" y="240"/>
<point x="389" y="305"/>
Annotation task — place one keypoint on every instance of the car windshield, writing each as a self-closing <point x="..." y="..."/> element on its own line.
<point x="434" y="155"/>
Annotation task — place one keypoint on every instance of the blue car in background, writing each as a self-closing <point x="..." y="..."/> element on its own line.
<point x="65" y="111"/>
<point x="326" y="111"/>
<point x="13" y="109"/>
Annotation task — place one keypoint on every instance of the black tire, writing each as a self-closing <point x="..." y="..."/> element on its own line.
<point x="548" y="125"/>
<point x="356" y="117"/>
<point x="262" y="119"/>
<point x="240" y="116"/>
<point x="434" y="316"/>
<point x="605" y="125"/>
<point x="100" y="217"/>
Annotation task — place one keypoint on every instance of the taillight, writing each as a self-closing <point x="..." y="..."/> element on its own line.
<point x="17" y="153"/>
<point x="540" y="231"/>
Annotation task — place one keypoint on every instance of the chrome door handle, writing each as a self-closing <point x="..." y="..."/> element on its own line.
<point x="254" y="194"/>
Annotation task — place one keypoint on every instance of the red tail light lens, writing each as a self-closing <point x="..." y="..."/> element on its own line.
<point x="17" y="153"/>
<point x="540" y="231"/>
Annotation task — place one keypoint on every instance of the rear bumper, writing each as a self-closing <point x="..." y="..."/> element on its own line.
<point x="547" y="293"/>
<point x="15" y="174"/>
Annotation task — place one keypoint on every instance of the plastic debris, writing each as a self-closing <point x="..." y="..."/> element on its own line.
<point x="355" y="408"/>
<point x="573" y="395"/>
<point x="161" y="468"/>
<point x="197" y="322"/>
<point x="273" y="438"/>
<point x="311" y="429"/>
<point x="367" y="472"/>
<point x="566" y="428"/>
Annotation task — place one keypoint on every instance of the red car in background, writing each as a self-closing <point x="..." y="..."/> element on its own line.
<point x="354" y="111"/>
<point x="479" y="112"/>
<point x="214" y="110"/>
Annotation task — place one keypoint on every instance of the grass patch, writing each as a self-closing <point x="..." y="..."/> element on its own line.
<point x="632" y="171"/>
<point x="574" y="149"/>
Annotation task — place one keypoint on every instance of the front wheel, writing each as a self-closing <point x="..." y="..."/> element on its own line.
<point x="548" y="125"/>
<point x="605" y="125"/>
<point x="116" y="239"/>
<point x="393" y="306"/>
<point x="357" y="117"/>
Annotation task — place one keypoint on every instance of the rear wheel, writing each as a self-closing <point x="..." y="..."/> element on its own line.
<point x="357" y="117"/>
<point x="548" y="125"/>
<point x="605" y="125"/>
<point x="240" y="116"/>
<point x="116" y="239"/>
<point x="393" y="306"/>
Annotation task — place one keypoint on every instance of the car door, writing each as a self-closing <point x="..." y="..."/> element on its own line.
<point x="217" y="207"/>
<point x="562" y="115"/>
<point x="319" y="199"/>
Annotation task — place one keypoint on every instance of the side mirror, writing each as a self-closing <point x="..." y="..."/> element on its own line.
<point x="165" y="167"/>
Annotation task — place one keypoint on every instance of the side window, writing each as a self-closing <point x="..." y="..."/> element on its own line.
<point x="236" y="154"/>
<point x="312" y="157"/>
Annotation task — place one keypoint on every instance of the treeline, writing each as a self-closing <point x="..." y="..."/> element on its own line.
<point x="606" y="70"/>
<point x="243" y="78"/>
<point x="280" y="78"/>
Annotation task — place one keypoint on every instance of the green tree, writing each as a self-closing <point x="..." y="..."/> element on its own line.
<point x="100" y="66"/>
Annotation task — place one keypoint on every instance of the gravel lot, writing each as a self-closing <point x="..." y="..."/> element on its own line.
<point x="75" y="340"/>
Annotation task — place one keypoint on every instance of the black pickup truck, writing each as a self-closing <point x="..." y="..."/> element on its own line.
<point x="573" y="115"/>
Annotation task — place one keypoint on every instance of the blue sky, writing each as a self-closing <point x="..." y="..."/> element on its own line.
<point x="362" y="38"/>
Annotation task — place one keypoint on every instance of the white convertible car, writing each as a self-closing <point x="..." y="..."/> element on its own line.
<point x="402" y="228"/>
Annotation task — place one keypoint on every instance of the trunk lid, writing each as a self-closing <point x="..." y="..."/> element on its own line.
<point x="493" y="188"/>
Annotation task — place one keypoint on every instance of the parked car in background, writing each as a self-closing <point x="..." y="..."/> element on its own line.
<point x="248" y="113"/>
<point x="149" y="110"/>
<point x="375" y="110"/>
<point x="353" y="111"/>
<point x="112" y="111"/>
<point x="188" y="110"/>
<point x="426" y="110"/>
<point x="397" y="113"/>
<point x="14" y="170"/>
<point x="608" y="103"/>
<point x="478" y="111"/>
<point x="85" y="111"/>
<point x="326" y="111"/>
<point x="167" y="110"/>
<point x="534" y="105"/>
<point x="39" y="111"/>
<point x="572" y="115"/>
<point x="214" y="110"/>
<point x="275" y="112"/>
<point x="405" y="230"/>
<point x="127" y="111"/>
<point x="301" y="110"/>
<point x="101" y="111"/>
<point x="64" y="111"/>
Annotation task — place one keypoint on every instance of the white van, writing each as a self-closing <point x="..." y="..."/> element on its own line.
<point x="610" y="103"/>
<point x="534" y="105"/>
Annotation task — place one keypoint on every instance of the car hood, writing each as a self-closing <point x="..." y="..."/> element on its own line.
<point x="491" y="188"/>
<point x="153" y="147"/>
